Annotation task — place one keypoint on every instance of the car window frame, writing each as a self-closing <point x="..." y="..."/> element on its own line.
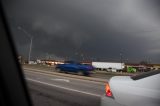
<point x="146" y="74"/>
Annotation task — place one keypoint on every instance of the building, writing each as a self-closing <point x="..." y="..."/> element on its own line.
<point x="144" y="67"/>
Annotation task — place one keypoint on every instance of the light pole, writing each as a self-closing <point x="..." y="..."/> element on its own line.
<point x="121" y="59"/>
<point x="127" y="60"/>
<point x="31" y="40"/>
<point x="30" y="49"/>
<point x="82" y="57"/>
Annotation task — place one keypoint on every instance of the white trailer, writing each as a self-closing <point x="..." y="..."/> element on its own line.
<point x="108" y="66"/>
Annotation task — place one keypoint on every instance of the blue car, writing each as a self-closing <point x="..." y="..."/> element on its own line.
<point x="82" y="69"/>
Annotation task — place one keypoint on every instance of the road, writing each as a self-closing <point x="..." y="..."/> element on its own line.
<point x="52" y="90"/>
<point x="97" y="74"/>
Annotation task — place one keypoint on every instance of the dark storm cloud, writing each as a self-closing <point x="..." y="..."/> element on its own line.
<point x="94" y="29"/>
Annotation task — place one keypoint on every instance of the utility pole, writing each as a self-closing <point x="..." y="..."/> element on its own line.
<point x="121" y="59"/>
<point x="31" y="40"/>
<point x="30" y="49"/>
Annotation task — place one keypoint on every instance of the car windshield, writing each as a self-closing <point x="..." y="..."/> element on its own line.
<point x="110" y="37"/>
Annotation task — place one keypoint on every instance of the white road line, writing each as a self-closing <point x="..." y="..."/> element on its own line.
<point x="27" y="71"/>
<point x="52" y="85"/>
<point x="58" y="79"/>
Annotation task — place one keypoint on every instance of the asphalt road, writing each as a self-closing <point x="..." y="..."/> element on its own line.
<point x="50" y="90"/>
<point x="97" y="74"/>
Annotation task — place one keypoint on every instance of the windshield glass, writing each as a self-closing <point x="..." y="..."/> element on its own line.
<point x="110" y="37"/>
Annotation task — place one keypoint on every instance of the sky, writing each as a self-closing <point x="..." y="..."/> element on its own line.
<point x="98" y="30"/>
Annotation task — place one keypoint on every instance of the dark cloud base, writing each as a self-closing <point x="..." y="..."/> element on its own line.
<point x="97" y="30"/>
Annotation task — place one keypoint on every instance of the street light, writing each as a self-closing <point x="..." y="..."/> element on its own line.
<point x="31" y="39"/>
<point x="82" y="56"/>
<point x="121" y="59"/>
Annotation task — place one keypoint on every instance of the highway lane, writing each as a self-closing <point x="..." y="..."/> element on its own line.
<point x="52" y="69"/>
<point x="49" y="90"/>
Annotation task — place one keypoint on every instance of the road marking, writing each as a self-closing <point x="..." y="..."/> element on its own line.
<point x="52" y="85"/>
<point x="101" y="83"/>
<point x="57" y="79"/>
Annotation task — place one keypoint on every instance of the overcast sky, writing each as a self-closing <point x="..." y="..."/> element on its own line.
<point x="87" y="29"/>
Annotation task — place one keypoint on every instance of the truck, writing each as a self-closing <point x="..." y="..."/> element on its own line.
<point x="75" y="67"/>
<point x="108" y="66"/>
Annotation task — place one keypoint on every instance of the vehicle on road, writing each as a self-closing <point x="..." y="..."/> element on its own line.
<point x="109" y="66"/>
<point x="81" y="69"/>
<point x="131" y="70"/>
<point x="138" y="90"/>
